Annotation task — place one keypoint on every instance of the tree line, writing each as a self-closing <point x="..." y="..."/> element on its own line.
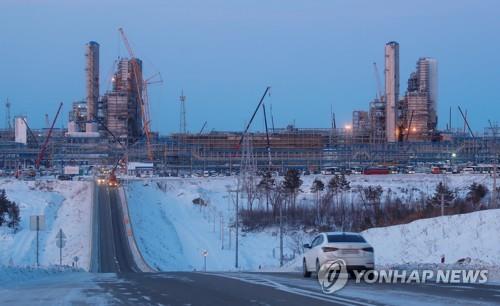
<point x="338" y="206"/>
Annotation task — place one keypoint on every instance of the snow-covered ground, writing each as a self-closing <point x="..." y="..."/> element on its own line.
<point x="172" y="232"/>
<point x="66" y="205"/>
<point x="473" y="235"/>
<point x="410" y="187"/>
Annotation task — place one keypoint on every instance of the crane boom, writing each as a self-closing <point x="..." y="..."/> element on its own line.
<point x="46" y="142"/>
<point x="466" y="122"/>
<point x="141" y="94"/>
<point x="254" y="113"/>
<point x="202" y="128"/>
<point x="31" y="132"/>
<point x="268" y="148"/>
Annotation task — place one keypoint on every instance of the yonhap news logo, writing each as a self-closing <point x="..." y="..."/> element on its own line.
<point x="334" y="275"/>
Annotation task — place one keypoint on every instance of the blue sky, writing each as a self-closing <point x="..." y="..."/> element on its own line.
<point x="314" y="54"/>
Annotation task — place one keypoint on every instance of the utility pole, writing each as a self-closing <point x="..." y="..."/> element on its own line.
<point x="281" y="234"/>
<point x="222" y="231"/>
<point x="495" y="161"/>
<point x="442" y="204"/>
<point x="37" y="231"/>
<point x="237" y="225"/>
<point x="494" y="192"/>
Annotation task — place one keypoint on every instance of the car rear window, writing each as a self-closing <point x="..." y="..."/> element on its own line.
<point x="345" y="238"/>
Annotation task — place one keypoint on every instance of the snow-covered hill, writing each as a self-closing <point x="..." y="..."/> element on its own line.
<point x="66" y="206"/>
<point x="172" y="232"/>
<point x="474" y="235"/>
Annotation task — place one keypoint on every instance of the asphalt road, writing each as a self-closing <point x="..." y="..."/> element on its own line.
<point x="114" y="252"/>
<point x="130" y="287"/>
<point x="134" y="288"/>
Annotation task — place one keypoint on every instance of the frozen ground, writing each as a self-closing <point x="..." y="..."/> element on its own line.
<point x="51" y="286"/>
<point x="172" y="232"/>
<point x="66" y="205"/>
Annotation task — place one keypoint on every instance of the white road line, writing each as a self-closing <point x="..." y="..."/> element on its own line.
<point x="269" y="283"/>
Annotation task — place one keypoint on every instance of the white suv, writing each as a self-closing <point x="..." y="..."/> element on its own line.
<point x="325" y="247"/>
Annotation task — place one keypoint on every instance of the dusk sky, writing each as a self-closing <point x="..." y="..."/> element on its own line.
<point x="314" y="55"/>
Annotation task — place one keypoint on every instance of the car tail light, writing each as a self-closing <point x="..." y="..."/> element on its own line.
<point x="370" y="249"/>
<point x="329" y="249"/>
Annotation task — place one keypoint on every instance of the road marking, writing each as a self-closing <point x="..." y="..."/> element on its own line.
<point x="307" y="293"/>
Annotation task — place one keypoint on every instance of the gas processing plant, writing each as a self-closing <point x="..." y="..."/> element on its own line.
<point x="398" y="129"/>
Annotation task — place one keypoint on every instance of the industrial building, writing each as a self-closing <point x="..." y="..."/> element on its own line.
<point x="92" y="77"/>
<point x="122" y="104"/>
<point x="391" y="89"/>
<point x="420" y="101"/>
<point x="102" y="129"/>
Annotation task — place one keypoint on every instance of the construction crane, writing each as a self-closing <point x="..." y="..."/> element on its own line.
<point x="379" y="92"/>
<point x="31" y="132"/>
<point x="141" y="94"/>
<point x="202" y="128"/>
<point x="112" y="179"/>
<point x="268" y="145"/>
<point x="253" y="115"/>
<point x="41" y="154"/>
<point x="466" y="122"/>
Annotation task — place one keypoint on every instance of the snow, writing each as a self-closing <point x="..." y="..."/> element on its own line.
<point x="66" y="205"/>
<point x="172" y="232"/>
<point x="407" y="187"/>
<point x="52" y="286"/>
<point x="14" y="275"/>
<point x="424" y="241"/>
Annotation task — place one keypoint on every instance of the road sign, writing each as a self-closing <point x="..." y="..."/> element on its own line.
<point x="60" y="243"/>
<point x="204" y="253"/>
<point x="61" y="235"/>
<point x="60" y="239"/>
<point x="37" y="223"/>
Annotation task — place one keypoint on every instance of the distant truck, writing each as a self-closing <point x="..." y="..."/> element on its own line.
<point x="376" y="170"/>
<point x="71" y="170"/>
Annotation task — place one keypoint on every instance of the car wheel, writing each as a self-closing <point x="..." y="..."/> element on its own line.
<point x="305" y="273"/>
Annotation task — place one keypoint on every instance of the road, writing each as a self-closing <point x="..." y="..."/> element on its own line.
<point x="134" y="287"/>
<point x="131" y="287"/>
<point x="114" y="253"/>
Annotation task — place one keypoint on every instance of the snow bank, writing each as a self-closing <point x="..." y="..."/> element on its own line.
<point x="65" y="204"/>
<point x="15" y="275"/>
<point x="473" y="235"/>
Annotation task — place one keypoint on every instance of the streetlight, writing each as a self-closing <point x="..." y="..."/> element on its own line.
<point x="205" y="254"/>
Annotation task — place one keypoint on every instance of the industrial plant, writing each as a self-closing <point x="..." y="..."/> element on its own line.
<point x="113" y="128"/>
